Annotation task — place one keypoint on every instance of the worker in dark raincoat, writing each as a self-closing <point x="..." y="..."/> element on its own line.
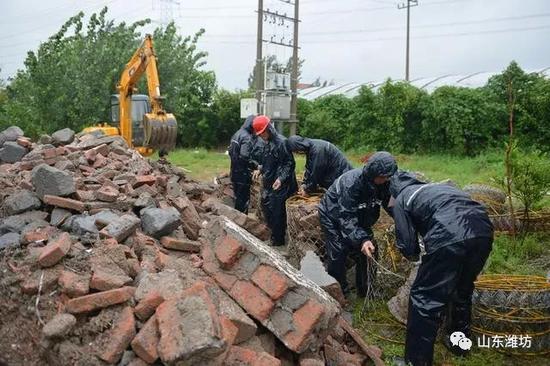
<point x="457" y="236"/>
<point x="241" y="153"/>
<point x="347" y="212"/>
<point x="324" y="162"/>
<point x="279" y="178"/>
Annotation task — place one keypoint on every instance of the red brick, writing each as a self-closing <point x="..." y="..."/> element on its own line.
<point x="162" y="180"/>
<point x="38" y="235"/>
<point x="55" y="250"/>
<point x="49" y="153"/>
<point x="148" y="305"/>
<point x="144" y="179"/>
<point x="226" y="281"/>
<point x="252" y="299"/>
<point x="180" y="244"/>
<point x="90" y="155"/>
<point x="100" y="300"/>
<point x="191" y="221"/>
<point x="23" y="141"/>
<point x="229" y="330"/>
<point x="162" y="260"/>
<point x="228" y="250"/>
<point x="146" y="341"/>
<point x="305" y="320"/>
<point x="265" y="359"/>
<point x="107" y="194"/>
<point x="102" y="149"/>
<point x="240" y="356"/>
<point x="138" y="362"/>
<point x="60" y="151"/>
<point x="103" y="279"/>
<point x="31" y="282"/>
<point x="86" y="170"/>
<point x="74" y="285"/>
<point x="100" y="161"/>
<point x="120" y="336"/>
<point x="273" y="282"/>
<point x="64" y="203"/>
<point x="85" y="195"/>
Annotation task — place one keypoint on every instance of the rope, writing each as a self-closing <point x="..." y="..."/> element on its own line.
<point x="387" y="270"/>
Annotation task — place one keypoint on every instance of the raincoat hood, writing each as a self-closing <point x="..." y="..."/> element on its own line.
<point x="247" y="125"/>
<point x="299" y="143"/>
<point x="381" y="163"/>
<point x="401" y="180"/>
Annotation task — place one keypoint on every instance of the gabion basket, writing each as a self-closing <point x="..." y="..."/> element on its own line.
<point x="512" y="306"/>
<point x="304" y="228"/>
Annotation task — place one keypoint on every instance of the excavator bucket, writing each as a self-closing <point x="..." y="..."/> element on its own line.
<point x="160" y="131"/>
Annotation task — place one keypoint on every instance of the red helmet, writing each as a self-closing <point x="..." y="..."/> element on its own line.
<point x="260" y="123"/>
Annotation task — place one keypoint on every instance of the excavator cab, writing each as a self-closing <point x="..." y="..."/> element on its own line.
<point x="140" y="107"/>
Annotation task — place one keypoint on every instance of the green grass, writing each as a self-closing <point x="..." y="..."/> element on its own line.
<point x="204" y="165"/>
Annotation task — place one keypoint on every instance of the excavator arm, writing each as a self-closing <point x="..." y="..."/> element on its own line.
<point x="160" y="128"/>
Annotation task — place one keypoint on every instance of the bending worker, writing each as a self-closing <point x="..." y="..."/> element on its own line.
<point x="324" y="162"/>
<point x="279" y="179"/>
<point x="347" y="212"/>
<point x="242" y="163"/>
<point x="457" y="236"/>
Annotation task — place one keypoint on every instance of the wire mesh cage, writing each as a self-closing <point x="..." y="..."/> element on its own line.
<point x="507" y="306"/>
<point x="304" y="228"/>
<point x="533" y="221"/>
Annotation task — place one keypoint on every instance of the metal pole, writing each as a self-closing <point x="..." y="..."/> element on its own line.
<point x="408" y="33"/>
<point x="294" y="76"/>
<point x="259" y="56"/>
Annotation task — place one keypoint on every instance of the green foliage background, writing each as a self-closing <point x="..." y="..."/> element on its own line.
<point x="67" y="82"/>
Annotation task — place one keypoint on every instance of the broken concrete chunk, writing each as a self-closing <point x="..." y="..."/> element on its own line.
<point x="166" y="283"/>
<point x="48" y="180"/>
<point x="21" y="201"/>
<point x="121" y="228"/>
<point x="312" y="268"/>
<point x="158" y="222"/>
<point x="59" y="326"/>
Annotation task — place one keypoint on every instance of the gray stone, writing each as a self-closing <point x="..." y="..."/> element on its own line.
<point x="9" y="240"/>
<point x="158" y="222"/>
<point x="145" y="200"/>
<point x="12" y="152"/>
<point x="83" y="224"/>
<point x="45" y="139"/>
<point x="399" y="304"/>
<point x="65" y="165"/>
<point x="121" y="228"/>
<point x="59" y="215"/>
<point x="49" y="180"/>
<point x="293" y="300"/>
<point x="59" y="326"/>
<point x="16" y="223"/>
<point x="63" y="137"/>
<point x="127" y="357"/>
<point x="10" y="134"/>
<point x="21" y="201"/>
<point x="106" y="216"/>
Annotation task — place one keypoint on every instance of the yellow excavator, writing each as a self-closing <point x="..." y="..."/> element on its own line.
<point x="138" y="118"/>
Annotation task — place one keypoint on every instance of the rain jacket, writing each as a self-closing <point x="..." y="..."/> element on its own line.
<point x="278" y="163"/>
<point x="324" y="162"/>
<point x="241" y="150"/>
<point x="353" y="202"/>
<point x="441" y="214"/>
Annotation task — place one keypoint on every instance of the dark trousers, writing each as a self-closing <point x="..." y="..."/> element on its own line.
<point x="242" y="196"/>
<point x="445" y="280"/>
<point x="274" y="208"/>
<point x="337" y="253"/>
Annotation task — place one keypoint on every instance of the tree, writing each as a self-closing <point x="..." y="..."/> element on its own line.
<point x="69" y="80"/>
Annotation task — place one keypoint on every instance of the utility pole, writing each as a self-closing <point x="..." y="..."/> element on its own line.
<point x="408" y="6"/>
<point x="294" y="76"/>
<point x="259" y="56"/>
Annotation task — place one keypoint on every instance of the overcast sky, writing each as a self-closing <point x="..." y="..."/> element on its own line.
<point x="340" y="40"/>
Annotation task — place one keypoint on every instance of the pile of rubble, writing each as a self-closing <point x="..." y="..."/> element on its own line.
<point x="109" y="258"/>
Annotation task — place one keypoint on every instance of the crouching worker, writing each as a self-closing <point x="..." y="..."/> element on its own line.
<point x="279" y="179"/>
<point x="347" y="212"/>
<point x="324" y="162"/>
<point x="457" y="236"/>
